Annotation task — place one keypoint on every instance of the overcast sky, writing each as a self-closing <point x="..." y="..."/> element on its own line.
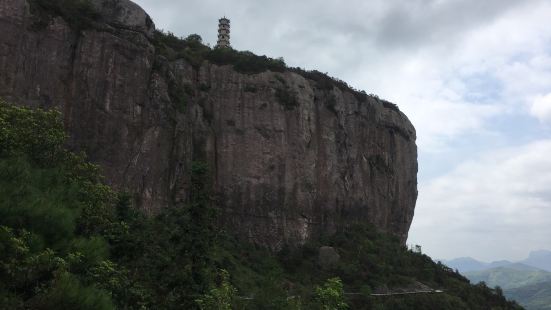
<point x="473" y="76"/>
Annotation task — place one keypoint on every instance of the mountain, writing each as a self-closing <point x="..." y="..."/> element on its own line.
<point x="294" y="154"/>
<point x="464" y="264"/>
<point x="539" y="259"/>
<point x="533" y="297"/>
<point x="510" y="276"/>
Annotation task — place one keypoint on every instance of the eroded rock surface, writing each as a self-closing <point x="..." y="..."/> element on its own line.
<point x="280" y="174"/>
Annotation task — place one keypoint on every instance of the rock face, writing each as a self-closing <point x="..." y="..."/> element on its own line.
<point x="281" y="175"/>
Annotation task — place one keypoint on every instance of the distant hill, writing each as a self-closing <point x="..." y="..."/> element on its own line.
<point x="540" y="259"/>
<point x="532" y="297"/>
<point x="467" y="264"/>
<point x="509" y="276"/>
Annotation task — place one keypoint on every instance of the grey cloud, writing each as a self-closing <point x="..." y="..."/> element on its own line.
<point x="415" y="23"/>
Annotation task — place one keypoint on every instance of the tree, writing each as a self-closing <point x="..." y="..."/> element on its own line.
<point x="194" y="38"/>
<point x="221" y="297"/>
<point x="330" y="296"/>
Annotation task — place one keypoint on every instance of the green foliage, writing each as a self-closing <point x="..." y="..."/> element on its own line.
<point x="245" y="62"/>
<point x="38" y="134"/>
<point x="79" y="14"/>
<point x="221" y="297"/>
<point x="330" y="296"/>
<point x="191" y="48"/>
<point x="53" y="213"/>
<point x="195" y="52"/>
<point x="68" y="292"/>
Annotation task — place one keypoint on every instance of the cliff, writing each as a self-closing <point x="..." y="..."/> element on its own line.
<point x="289" y="159"/>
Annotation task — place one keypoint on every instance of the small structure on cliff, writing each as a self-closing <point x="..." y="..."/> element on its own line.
<point x="223" y="32"/>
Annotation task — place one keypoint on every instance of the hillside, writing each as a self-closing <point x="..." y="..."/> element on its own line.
<point x="533" y="297"/>
<point x="509" y="276"/>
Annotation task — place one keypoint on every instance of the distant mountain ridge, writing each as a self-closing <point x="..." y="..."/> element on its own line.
<point x="540" y="259"/>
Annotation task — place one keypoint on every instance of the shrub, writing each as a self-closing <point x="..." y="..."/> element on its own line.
<point x="330" y="296"/>
<point x="221" y="297"/>
<point x="37" y="133"/>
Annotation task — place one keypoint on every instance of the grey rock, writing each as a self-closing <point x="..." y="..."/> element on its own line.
<point x="125" y="13"/>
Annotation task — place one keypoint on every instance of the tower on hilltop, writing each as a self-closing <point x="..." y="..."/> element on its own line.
<point x="223" y="32"/>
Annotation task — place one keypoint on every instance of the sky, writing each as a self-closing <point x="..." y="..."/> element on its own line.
<point x="474" y="77"/>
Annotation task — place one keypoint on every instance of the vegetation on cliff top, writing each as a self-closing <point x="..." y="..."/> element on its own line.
<point x="195" y="52"/>
<point x="68" y="241"/>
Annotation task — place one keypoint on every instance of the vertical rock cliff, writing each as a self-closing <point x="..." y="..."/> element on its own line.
<point x="281" y="172"/>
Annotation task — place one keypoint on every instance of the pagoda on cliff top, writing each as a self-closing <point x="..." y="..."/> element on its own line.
<point x="223" y="32"/>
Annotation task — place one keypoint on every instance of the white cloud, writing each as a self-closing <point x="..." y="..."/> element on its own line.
<point x="541" y="108"/>
<point x="497" y="205"/>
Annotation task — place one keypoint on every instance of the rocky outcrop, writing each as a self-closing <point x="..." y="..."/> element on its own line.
<point x="124" y="14"/>
<point x="281" y="173"/>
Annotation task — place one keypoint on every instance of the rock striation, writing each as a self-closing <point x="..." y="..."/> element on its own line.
<point x="280" y="174"/>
